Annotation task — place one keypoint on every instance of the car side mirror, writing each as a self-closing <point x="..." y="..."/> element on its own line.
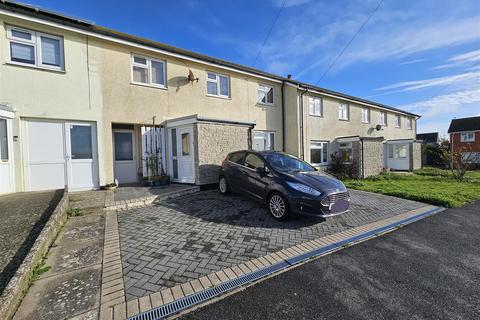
<point x="260" y="170"/>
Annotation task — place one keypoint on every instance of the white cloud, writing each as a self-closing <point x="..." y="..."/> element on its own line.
<point x="412" y="61"/>
<point x="290" y="3"/>
<point x="461" y="59"/>
<point x="312" y="38"/>
<point x="439" y="81"/>
<point x="280" y="68"/>
<point x="446" y="103"/>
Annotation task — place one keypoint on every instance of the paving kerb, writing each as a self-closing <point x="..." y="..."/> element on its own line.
<point x="180" y="291"/>
<point x="12" y="296"/>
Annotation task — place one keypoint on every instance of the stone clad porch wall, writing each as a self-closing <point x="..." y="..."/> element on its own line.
<point x="213" y="141"/>
<point x="372" y="157"/>
<point x="415" y="155"/>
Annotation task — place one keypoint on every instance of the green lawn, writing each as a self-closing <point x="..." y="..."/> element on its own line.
<point x="430" y="185"/>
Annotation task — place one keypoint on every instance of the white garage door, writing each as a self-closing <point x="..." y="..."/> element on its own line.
<point x="60" y="154"/>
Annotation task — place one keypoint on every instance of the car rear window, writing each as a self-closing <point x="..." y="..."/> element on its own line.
<point x="236" y="157"/>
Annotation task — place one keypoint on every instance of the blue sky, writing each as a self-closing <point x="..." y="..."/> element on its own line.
<point x="422" y="56"/>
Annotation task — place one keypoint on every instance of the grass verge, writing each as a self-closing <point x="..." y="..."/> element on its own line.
<point x="430" y="185"/>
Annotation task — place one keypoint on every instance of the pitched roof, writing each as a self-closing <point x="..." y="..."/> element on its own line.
<point x="430" y="137"/>
<point x="90" y="27"/>
<point x="464" y="124"/>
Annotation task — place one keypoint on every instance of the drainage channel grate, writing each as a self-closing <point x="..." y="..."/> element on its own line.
<point x="199" y="297"/>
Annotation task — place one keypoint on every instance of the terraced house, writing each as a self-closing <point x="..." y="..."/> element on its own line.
<point x="82" y="105"/>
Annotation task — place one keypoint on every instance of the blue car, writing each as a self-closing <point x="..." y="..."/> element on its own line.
<point x="287" y="184"/>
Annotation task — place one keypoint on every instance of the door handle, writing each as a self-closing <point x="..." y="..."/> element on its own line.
<point x="67" y="157"/>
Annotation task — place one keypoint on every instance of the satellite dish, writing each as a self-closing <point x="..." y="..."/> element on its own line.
<point x="191" y="76"/>
<point x="378" y="127"/>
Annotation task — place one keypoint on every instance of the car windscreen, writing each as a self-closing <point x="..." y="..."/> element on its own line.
<point x="284" y="162"/>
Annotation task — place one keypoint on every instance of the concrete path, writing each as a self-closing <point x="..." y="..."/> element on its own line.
<point x="427" y="270"/>
<point x="22" y="218"/>
<point x="72" y="286"/>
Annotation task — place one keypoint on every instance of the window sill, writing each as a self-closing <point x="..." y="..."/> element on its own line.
<point x="343" y="119"/>
<point x="30" y="66"/>
<point x="266" y="105"/>
<point x="366" y="122"/>
<point x="316" y="115"/>
<point x="219" y="97"/>
<point x="148" y="85"/>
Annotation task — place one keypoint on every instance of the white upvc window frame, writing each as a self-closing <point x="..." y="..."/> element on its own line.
<point x="346" y="146"/>
<point x="366" y="115"/>
<point x="267" y="137"/>
<point x="319" y="145"/>
<point x="398" y="121"/>
<point x="464" y="136"/>
<point x="315" y="106"/>
<point x="217" y="82"/>
<point x="383" y="118"/>
<point x="265" y="88"/>
<point x="409" y="123"/>
<point x="341" y="107"/>
<point x="148" y="67"/>
<point x="36" y="43"/>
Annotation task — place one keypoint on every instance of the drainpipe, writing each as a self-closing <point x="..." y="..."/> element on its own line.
<point x="363" y="162"/>
<point x="302" y="144"/>
<point x="283" y="116"/>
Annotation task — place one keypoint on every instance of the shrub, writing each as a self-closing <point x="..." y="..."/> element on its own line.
<point x="340" y="169"/>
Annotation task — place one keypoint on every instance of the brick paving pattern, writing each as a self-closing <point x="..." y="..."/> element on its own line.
<point x="189" y="237"/>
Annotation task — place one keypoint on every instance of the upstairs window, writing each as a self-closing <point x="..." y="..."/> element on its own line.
<point x="318" y="153"/>
<point x="265" y="94"/>
<point x="409" y="124"/>
<point x="398" y="122"/>
<point x="383" y="118"/>
<point x="365" y="115"/>
<point x="315" y="106"/>
<point x="343" y="111"/>
<point x="218" y="85"/>
<point x="263" y="140"/>
<point x="467" y="137"/>
<point x="31" y="48"/>
<point x="148" y="71"/>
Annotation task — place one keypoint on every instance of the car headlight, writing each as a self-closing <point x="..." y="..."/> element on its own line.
<point x="303" y="188"/>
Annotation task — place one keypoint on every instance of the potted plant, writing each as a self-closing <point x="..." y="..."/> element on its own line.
<point x="155" y="177"/>
<point x="110" y="186"/>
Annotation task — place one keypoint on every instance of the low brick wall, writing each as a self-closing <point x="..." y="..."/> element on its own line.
<point x="16" y="288"/>
<point x="213" y="142"/>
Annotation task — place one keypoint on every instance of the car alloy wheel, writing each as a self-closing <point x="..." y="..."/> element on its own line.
<point x="278" y="206"/>
<point x="222" y="184"/>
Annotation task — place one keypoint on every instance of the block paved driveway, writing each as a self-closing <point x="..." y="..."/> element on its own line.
<point x="189" y="237"/>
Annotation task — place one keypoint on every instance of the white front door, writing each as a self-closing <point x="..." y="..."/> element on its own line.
<point x="82" y="171"/>
<point x="182" y="154"/>
<point x="398" y="156"/>
<point x="7" y="183"/>
<point x="125" y="162"/>
<point x="60" y="154"/>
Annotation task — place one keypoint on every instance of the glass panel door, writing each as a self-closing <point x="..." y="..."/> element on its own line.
<point x="173" y="133"/>
<point x="3" y="140"/>
<point x="123" y="146"/>
<point x="81" y="142"/>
